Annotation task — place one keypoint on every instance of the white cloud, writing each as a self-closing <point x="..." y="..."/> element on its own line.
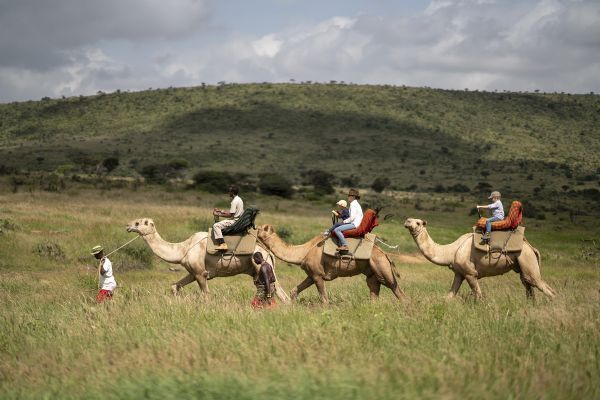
<point x="479" y="44"/>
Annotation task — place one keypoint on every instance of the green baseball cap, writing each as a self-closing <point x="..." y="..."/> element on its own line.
<point x="96" y="250"/>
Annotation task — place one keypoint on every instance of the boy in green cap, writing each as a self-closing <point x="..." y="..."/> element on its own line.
<point x="105" y="272"/>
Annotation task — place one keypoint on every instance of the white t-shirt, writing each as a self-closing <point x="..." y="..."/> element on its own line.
<point x="237" y="207"/>
<point x="356" y="214"/>
<point x="107" y="281"/>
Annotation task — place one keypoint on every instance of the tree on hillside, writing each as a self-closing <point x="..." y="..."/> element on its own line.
<point x="380" y="183"/>
<point x="320" y="180"/>
<point x="110" y="164"/>
<point x="275" y="184"/>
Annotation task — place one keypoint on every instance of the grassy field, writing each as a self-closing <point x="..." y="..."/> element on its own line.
<point x="55" y="342"/>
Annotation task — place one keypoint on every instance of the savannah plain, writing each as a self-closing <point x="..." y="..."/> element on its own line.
<point x="435" y="154"/>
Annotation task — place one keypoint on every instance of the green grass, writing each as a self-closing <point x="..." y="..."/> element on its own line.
<point x="56" y="342"/>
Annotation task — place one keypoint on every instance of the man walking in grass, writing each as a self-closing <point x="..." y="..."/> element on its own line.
<point x="105" y="272"/>
<point x="236" y="209"/>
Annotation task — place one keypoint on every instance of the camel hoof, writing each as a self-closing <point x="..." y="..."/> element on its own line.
<point x="294" y="294"/>
<point x="174" y="290"/>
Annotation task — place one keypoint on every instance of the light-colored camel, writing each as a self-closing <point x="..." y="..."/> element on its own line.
<point x="471" y="264"/>
<point x="320" y="267"/>
<point x="191" y="254"/>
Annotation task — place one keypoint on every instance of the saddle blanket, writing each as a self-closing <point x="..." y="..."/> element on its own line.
<point x="509" y="241"/>
<point x="240" y="244"/>
<point x="360" y="248"/>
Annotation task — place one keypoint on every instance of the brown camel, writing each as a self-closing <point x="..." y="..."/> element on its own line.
<point x="472" y="264"/>
<point x="191" y="254"/>
<point x="320" y="267"/>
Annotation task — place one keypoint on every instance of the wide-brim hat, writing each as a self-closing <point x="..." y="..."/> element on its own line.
<point x="494" y="194"/>
<point x="96" y="250"/>
<point x="353" y="192"/>
<point x="342" y="203"/>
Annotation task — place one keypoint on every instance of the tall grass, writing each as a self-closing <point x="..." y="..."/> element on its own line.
<point x="56" y="342"/>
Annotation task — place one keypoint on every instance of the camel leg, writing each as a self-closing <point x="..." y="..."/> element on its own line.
<point x="374" y="286"/>
<point x="321" y="288"/>
<point x="176" y="287"/>
<point x="530" y="272"/>
<point x="474" y="284"/>
<point x="382" y="266"/>
<point x="308" y="282"/>
<point x="528" y="287"/>
<point x="202" y="282"/>
<point x="458" y="280"/>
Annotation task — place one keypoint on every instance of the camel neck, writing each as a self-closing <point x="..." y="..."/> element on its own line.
<point x="436" y="253"/>
<point x="288" y="253"/>
<point x="169" y="252"/>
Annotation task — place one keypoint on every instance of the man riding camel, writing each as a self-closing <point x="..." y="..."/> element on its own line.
<point x="236" y="209"/>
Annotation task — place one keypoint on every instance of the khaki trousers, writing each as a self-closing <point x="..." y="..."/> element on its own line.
<point x="221" y="225"/>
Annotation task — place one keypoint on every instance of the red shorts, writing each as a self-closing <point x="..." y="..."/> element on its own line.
<point x="258" y="303"/>
<point x="103" y="295"/>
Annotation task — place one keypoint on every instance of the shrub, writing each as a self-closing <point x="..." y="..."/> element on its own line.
<point x="134" y="257"/>
<point x="110" y="164"/>
<point x="320" y="180"/>
<point x="459" y="188"/>
<point x="213" y="181"/>
<point x="275" y="184"/>
<point x="284" y="232"/>
<point x="380" y="183"/>
<point x="49" y="250"/>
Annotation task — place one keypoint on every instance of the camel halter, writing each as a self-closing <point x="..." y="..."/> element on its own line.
<point x="416" y="234"/>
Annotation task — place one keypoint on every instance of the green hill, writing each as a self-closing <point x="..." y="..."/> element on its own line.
<point x="421" y="139"/>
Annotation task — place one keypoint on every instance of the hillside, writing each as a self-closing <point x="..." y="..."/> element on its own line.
<point x="419" y="138"/>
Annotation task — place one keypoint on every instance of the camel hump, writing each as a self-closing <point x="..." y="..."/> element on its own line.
<point x="505" y="241"/>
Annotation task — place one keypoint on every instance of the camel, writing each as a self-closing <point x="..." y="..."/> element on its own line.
<point x="470" y="264"/>
<point x="320" y="268"/>
<point x="191" y="254"/>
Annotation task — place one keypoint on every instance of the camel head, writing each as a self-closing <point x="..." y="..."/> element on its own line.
<point x="414" y="225"/>
<point x="265" y="232"/>
<point x="142" y="226"/>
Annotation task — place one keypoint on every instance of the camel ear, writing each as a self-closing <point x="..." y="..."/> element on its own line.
<point x="424" y="222"/>
<point x="152" y="224"/>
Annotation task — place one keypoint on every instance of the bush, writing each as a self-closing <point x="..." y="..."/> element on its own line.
<point x="459" y="188"/>
<point x="380" y="183"/>
<point x="49" y="250"/>
<point x="284" y="232"/>
<point x="213" y="181"/>
<point x="110" y="164"/>
<point x="134" y="257"/>
<point x="275" y="184"/>
<point x="160" y="173"/>
<point x="320" y="180"/>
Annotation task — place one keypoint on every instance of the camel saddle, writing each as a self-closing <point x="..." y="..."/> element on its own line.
<point x="360" y="248"/>
<point x="240" y="244"/>
<point x="504" y="241"/>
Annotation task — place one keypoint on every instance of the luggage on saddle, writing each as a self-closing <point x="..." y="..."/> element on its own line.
<point x="360" y="248"/>
<point x="244" y="222"/>
<point x="240" y="244"/>
<point x="503" y="241"/>
<point x="368" y="223"/>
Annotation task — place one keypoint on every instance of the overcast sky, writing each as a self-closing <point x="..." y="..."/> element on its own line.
<point x="72" y="47"/>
